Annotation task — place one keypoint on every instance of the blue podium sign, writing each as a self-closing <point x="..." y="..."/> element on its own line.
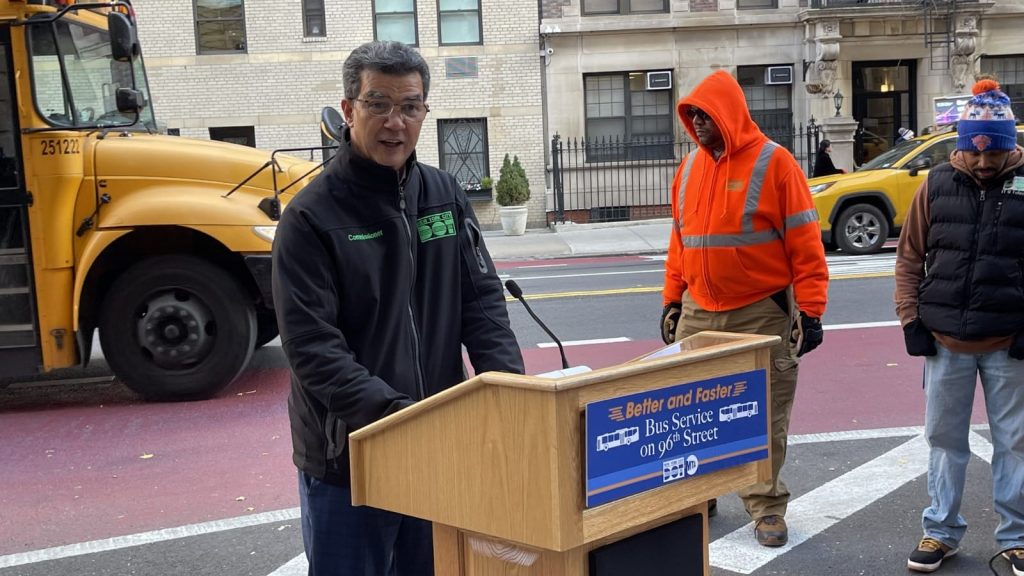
<point x="642" y="441"/>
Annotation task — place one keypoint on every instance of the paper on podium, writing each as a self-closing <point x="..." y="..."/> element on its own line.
<point x="571" y="371"/>
<point x="673" y="348"/>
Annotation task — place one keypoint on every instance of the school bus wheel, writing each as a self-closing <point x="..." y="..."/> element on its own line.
<point x="177" y="328"/>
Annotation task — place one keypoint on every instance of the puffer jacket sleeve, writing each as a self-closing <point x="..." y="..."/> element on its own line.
<point x="486" y="331"/>
<point x="803" y="239"/>
<point x="307" y="307"/>
<point x="675" y="285"/>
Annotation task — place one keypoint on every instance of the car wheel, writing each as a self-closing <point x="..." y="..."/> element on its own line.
<point x="861" y="229"/>
<point x="177" y="328"/>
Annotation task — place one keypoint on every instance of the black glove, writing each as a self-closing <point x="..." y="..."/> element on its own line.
<point x="920" y="340"/>
<point x="807" y="334"/>
<point x="669" y="321"/>
<point x="1017" y="347"/>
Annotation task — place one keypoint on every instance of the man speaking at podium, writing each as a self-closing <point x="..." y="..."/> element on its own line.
<point x="380" y="277"/>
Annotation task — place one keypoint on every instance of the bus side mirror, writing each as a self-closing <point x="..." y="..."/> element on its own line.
<point x="129" y="100"/>
<point x="332" y="124"/>
<point x="124" y="45"/>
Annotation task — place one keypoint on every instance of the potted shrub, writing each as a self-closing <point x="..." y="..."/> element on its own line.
<point x="511" y="193"/>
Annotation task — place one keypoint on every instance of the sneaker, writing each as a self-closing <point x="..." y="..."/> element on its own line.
<point x="712" y="507"/>
<point x="771" y="531"/>
<point x="929" y="554"/>
<point x="1016" y="558"/>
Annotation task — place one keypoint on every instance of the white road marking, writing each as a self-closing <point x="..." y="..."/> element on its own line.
<point x="830" y="503"/>
<point x="297" y="566"/>
<point x="862" y="325"/>
<point x="584" y="342"/>
<point x="119" y="542"/>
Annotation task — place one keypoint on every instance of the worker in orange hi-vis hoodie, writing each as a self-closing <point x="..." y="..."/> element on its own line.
<point x="745" y="256"/>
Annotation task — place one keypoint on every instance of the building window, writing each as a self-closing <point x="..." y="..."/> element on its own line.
<point x="770" y="105"/>
<point x="395" y="20"/>
<point x="1010" y="72"/>
<point x="756" y="4"/>
<point x="463" y="146"/>
<point x="625" y="120"/>
<point x="220" y="26"/>
<point x="244" y="135"/>
<point x="459" y="21"/>
<point x="313" y="18"/>
<point x="598" y="7"/>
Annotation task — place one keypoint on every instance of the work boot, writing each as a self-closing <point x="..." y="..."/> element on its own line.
<point x="929" y="554"/>
<point x="771" y="531"/>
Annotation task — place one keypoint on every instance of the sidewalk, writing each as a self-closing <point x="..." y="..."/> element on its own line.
<point x="569" y="239"/>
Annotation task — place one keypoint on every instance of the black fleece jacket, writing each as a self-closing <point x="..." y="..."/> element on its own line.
<point x="377" y="285"/>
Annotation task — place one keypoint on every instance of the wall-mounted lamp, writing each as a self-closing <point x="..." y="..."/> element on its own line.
<point x="837" y="101"/>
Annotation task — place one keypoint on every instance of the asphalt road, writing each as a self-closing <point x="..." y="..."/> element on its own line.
<point x="95" y="482"/>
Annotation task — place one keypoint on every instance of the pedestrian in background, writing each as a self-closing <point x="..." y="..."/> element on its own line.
<point x="960" y="300"/>
<point x="380" y="276"/>
<point x="745" y="255"/>
<point x="823" y="165"/>
<point x="904" y="135"/>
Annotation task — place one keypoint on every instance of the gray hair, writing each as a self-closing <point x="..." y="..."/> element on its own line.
<point x="383" y="56"/>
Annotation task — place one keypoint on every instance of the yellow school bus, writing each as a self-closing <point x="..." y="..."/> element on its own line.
<point x="160" y="243"/>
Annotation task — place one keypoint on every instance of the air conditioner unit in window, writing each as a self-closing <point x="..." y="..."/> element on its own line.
<point x="659" y="80"/>
<point x="778" y="75"/>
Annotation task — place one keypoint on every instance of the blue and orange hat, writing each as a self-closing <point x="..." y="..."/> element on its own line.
<point x="987" y="122"/>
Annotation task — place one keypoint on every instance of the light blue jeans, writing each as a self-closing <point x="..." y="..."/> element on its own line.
<point x="950" y="380"/>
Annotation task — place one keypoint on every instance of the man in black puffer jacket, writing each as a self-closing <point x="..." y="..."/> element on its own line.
<point x="380" y="276"/>
<point x="960" y="299"/>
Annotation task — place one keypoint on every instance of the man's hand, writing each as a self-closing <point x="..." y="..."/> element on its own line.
<point x="807" y="334"/>
<point x="1017" y="347"/>
<point x="669" y="321"/>
<point x="920" y="340"/>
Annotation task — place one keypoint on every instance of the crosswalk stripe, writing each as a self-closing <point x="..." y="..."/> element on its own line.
<point x="824" y="506"/>
<point x="297" y="566"/>
<point x="833" y="502"/>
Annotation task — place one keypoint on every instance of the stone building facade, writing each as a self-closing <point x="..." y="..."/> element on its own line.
<point x="618" y="66"/>
<point x="259" y="72"/>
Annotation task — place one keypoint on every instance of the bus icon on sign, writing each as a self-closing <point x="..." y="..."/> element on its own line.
<point x="734" y="411"/>
<point x="620" y="437"/>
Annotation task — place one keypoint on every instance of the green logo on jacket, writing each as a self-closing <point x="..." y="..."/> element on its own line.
<point x="436" y="226"/>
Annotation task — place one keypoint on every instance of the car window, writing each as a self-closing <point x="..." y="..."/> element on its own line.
<point x="889" y="157"/>
<point x="936" y="154"/>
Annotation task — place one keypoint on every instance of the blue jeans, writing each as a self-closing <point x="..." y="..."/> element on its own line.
<point x="346" y="540"/>
<point x="950" y="380"/>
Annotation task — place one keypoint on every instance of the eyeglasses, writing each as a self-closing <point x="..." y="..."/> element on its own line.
<point x="410" y="111"/>
<point x="693" y="112"/>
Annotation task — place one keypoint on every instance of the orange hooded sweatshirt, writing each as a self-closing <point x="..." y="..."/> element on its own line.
<point x="746" y="227"/>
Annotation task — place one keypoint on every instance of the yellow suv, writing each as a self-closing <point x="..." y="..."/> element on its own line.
<point x="859" y="211"/>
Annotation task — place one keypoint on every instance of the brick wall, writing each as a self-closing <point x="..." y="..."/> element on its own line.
<point x="283" y="80"/>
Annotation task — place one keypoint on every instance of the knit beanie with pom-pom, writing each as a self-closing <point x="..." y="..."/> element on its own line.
<point x="986" y="122"/>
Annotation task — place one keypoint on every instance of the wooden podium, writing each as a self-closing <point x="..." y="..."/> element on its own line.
<point x="499" y="463"/>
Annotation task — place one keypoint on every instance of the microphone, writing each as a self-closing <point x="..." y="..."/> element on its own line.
<point x="517" y="293"/>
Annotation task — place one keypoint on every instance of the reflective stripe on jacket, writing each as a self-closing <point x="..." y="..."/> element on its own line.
<point x="744" y="226"/>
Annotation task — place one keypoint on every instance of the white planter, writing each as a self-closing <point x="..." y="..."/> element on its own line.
<point x="513" y="220"/>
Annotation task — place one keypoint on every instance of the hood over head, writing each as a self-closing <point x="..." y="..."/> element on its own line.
<point x="722" y="98"/>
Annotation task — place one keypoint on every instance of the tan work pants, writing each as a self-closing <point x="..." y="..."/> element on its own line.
<point x="764" y="317"/>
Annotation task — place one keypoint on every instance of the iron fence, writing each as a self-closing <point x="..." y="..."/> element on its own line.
<point x="610" y="180"/>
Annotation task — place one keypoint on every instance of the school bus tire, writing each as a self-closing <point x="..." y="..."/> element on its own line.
<point x="177" y="328"/>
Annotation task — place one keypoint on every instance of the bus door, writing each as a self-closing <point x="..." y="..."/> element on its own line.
<point x="19" y="338"/>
